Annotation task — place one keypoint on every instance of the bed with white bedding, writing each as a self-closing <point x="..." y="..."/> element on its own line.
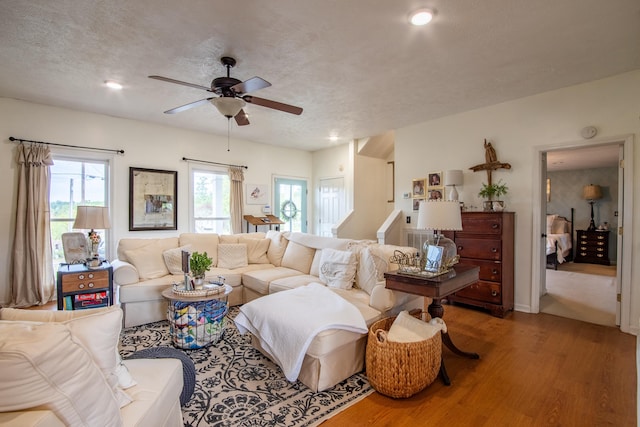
<point x="559" y="247"/>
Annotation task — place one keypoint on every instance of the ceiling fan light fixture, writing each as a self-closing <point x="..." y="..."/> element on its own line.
<point x="113" y="85"/>
<point x="228" y="106"/>
<point x="421" y="17"/>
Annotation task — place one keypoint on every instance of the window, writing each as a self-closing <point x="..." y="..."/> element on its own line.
<point x="74" y="182"/>
<point x="210" y="206"/>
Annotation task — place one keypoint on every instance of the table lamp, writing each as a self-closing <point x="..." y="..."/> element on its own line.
<point x="92" y="217"/>
<point x="451" y="179"/>
<point x="440" y="252"/>
<point x="591" y="193"/>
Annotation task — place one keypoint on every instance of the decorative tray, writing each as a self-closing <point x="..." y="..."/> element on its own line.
<point x="213" y="290"/>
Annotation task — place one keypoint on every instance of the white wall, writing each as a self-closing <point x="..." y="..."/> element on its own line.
<point x="515" y="128"/>
<point x="146" y="145"/>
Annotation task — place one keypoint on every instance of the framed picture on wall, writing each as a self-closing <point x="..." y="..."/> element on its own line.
<point x="257" y="194"/>
<point x="153" y="199"/>
<point x="435" y="179"/>
<point x="416" y="204"/>
<point x="418" y="187"/>
<point x="435" y="193"/>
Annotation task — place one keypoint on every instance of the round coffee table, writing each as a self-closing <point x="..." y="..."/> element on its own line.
<point x="197" y="318"/>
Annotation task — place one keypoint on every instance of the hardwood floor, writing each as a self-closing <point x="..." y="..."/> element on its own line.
<point x="534" y="370"/>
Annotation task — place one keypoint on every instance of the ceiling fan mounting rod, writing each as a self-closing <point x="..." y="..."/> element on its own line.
<point x="228" y="62"/>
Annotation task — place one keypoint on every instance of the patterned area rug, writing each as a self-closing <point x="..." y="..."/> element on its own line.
<point x="237" y="386"/>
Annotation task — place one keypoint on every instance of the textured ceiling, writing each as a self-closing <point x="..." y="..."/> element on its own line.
<point x="356" y="67"/>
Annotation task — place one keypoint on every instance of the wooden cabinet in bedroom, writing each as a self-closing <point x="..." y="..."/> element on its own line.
<point x="592" y="247"/>
<point x="487" y="240"/>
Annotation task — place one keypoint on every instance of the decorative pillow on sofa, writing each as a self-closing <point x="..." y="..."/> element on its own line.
<point x="97" y="331"/>
<point x="232" y="255"/>
<point x="256" y="249"/>
<point x="338" y="268"/>
<point x="371" y="269"/>
<point x="298" y="257"/>
<point x="148" y="260"/>
<point x="277" y="246"/>
<point x="43" y="366"/>
<point x="173" y="258"/>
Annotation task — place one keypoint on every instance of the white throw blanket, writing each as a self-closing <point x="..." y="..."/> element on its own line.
<point x="286" y="322"/>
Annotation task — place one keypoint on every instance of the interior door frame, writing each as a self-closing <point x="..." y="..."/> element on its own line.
<point x="305" y="197"/>
<point x="625" y="215"/>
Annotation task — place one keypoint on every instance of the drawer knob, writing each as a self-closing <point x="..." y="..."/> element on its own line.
<point x="494" y="293"/>
<point x="90" y="275"/>
<point x="459" y="248"/>
<point x="599" y="255"/>
<point x="583" y="253"/>
<point x="494" y="271"/>
<point x="91" y="285"/>
<point x="81" y="286"/>
<point x="494" y="226"/>
<point x="81" y="276"/>
<point x="494" y="250"/>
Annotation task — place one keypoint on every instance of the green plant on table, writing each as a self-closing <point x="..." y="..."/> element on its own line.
<point x="199" y="263"/>
<point x="493" y="190"/>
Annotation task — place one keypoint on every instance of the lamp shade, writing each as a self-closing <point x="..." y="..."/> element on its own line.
<point x="453" y="177"/>
<point x="439" y="215"/>
<point x="228" y="106"/>
<point x="591" y="192"/>
<point x="92" y="217"/>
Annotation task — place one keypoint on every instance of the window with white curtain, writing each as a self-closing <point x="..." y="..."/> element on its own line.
<point x="75" y="182"/>
<point x="209" y="190"/>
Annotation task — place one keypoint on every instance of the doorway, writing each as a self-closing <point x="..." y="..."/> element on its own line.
<point x="622" y="150"/>
<point x="332" y="204"/>
<point x="290" y="203"/>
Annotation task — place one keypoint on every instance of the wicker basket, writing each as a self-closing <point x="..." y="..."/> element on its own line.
<point x="398" y="369"/>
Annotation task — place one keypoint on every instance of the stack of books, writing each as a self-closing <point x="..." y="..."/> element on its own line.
<point x="81" y="301"/>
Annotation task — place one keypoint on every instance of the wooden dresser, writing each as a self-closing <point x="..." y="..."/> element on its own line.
<point x="592" y="247"/>
<point x="487" y="240"/>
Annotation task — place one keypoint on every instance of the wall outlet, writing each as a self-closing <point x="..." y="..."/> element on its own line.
<point x="408" y="220"/>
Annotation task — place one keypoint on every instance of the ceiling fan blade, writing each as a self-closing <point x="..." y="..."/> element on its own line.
<point x="273" y="104"/>
<point x="250" y="85"/>
<point x="179" y="82"/>
<point x="188" y="106"/>
<point x="241" y="118"/>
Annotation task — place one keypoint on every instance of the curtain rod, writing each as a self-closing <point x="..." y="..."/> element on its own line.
<point x="213" y="163"/>
<point x="67" y="145"/>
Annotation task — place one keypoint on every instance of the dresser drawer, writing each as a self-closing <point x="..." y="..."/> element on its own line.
<point x="486" y="249"/>
<point x="482" y="224"/>
<point x="489" y="270"/>
<point x="85" y="281"/>
<point x="483" y="291"/>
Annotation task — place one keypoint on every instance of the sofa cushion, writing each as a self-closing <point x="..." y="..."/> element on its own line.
<point x="202" y="242"/>
<point x="228" y="238"/>
<point x="173" y="259"/>
<point x="298" y="257"/>
<point x="148" y="260"/>
<point x="97" y="331"/>
<point x="338" y="268"/>
<point x="258" y="281"/>
<point x="36" y="372"/>
<point x="256" y="249"/>
<point x="232" y="255"/>
<point x="148" y="290"/>
<point x="128" y="244"/>
<point x="291" y="282"/>
<point x="277" y="246"/>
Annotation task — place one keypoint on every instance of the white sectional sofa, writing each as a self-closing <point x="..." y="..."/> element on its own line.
<point x="62" y="368"/>
<point x="258" y="264"/>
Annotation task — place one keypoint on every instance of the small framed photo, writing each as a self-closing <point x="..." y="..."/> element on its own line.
<point x="418" y="188"/>
<point x="153" y="199"/>
<point x="436" y="193"/>
<point x="434" y="258"/>
<point x="435" y="179"/>
<point x="416" y="204"/>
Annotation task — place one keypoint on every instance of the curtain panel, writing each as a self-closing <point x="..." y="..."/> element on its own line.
<point x="32" y="277"/>
<point x="237" y="179"/>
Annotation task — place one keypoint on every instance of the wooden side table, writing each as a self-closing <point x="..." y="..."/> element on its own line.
<point x="76" y="280"/>
<point x="437" y="288"/>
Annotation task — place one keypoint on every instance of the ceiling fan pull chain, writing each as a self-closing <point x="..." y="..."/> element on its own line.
<point x="228" y="132"/>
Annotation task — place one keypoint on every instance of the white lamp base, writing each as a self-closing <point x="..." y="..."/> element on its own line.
<point x="453" y="194"/>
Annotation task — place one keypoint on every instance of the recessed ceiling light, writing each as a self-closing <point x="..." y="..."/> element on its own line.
<point x="333" y="138"/>
<point x="113" y="85"/>
<point x="421" y="17"/>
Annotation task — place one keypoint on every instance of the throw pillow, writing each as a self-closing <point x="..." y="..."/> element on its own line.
<point x="371" y="269"/>
<point x="338" y="268"/>
<point x="173" y="258"/>
<point x="43" y="366"/>
<point x="277" y="247"/>
<point x="298" y="257"/>
<point x="232" y="255"/>
<point x="148" y="261"/>
<point x="256" y="249"/>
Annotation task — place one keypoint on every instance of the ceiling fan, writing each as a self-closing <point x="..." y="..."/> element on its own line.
<point x="231" y="95"/>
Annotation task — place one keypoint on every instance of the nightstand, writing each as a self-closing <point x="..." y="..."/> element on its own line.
<point x="80" y="287"/>
<point x="592" y="247"/>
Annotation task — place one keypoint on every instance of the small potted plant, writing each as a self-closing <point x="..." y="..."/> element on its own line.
<point x="489" y="191"/>
<point x="199" y="264"/>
